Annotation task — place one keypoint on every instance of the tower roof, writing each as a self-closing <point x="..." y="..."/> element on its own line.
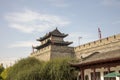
<point x="97" y="58"/>
<point x="55" y="32"/>
<point x="63" y="43"/>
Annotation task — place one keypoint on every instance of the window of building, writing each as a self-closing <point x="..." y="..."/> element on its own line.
<point x="92" y="76"/>
<point x="86" y="77"/>
<point x="105" y="78"/>
<point x="97" y="75"/>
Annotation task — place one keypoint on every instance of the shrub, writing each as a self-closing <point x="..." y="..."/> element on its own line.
<point x="33" y="69"/>
<point x="25" y="69"/>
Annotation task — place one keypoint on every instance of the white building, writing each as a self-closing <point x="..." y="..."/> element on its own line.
<point x="97" y="65"/>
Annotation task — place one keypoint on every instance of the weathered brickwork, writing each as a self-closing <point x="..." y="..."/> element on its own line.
<point x="103" y="45"/>
<point x="61" y="51"/>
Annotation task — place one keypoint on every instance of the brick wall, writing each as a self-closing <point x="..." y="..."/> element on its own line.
<point x="103" y="45"/>
<point x="61" y="51"/>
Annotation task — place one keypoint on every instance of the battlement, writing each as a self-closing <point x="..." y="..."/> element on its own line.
<point x="102" y="45"/>
<point x="100" y="42"/>
<point x="42" y="54"/>
<point x="39" y="52"/>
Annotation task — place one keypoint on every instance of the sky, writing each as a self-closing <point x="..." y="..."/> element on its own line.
<point x="24" y="21"/>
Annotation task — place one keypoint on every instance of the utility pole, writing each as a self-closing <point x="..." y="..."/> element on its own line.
<point x="99" y="33"/>
<point x="79" y="40"/>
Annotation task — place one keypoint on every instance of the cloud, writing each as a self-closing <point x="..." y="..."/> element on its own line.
<point x="111" y="2"/>
<point x="85" y="38"/>
<point x="29" y="21"/>
<point x="22" y="44"/>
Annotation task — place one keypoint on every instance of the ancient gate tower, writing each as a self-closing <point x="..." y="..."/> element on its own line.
<point x="53" y="46"/>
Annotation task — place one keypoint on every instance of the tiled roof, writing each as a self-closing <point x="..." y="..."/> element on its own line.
<point x="102" y="56"/>
<point x="55" y="32"/>
<point x="99" y="57"/>
<point x="53" y="42"/>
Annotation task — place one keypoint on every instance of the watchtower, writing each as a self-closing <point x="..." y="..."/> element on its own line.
<point x="53" y="46"/>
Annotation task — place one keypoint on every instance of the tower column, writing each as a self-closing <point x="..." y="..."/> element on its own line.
<point x="82" y="74"/>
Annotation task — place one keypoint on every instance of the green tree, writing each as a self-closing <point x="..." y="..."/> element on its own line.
<point x="5" y="73"/>
<point x="57" y="69"/>
<point x="25" y="69"/>
<point x="1" y="70"/>
<point x="33" y="69"/>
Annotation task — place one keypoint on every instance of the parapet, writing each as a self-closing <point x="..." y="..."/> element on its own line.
<point x="104" y="41"/>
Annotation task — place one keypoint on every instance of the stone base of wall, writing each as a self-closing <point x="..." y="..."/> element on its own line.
<point x="61" y="51"/>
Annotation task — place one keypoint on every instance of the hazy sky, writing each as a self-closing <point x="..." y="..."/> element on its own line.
<point x="23" y="21"/>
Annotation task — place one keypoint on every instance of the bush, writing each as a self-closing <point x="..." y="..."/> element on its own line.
<point x="25" y="69"/>
<point x="5" y="73"/>
<point x="32" y="69"/>
<point x="1" y="70"/>
<point x="58" y="69"/>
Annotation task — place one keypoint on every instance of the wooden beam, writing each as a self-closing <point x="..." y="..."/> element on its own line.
<point x="109" y="72"/>
<point x="82" y="74"/>
<point x="108" y="69"/>
<point x="94" y="73"/>
<point x="99" y="65"/>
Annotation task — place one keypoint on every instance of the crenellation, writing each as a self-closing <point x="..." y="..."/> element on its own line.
<point x="48" y="48"/>
<point x="99" y="42"/>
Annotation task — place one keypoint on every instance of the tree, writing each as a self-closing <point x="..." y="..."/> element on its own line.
<point x="25" y="69"/>
<point x="1" y="70"/>
<point x="57" y="69"/>
<point x="33" y="69"/>
<point x="5" y="73"/>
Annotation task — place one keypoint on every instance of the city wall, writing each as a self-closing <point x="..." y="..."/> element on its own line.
<point x="102" y="45"/>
